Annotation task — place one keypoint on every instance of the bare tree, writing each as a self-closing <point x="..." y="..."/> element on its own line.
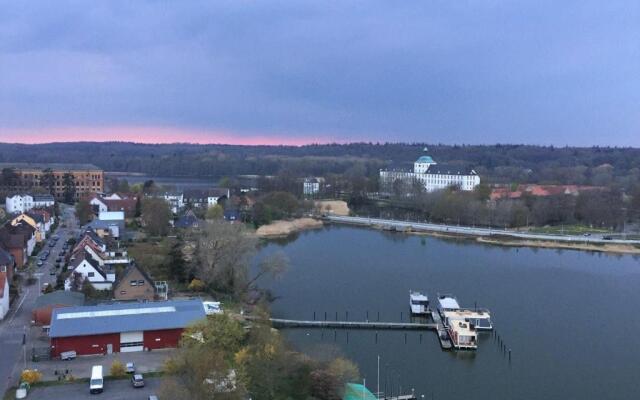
<point x="273" y="265"/>
<point x="225" y="251"/>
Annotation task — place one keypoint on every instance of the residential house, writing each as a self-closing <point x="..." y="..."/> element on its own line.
<point x="231" y="215"/>
<point x="175" y="200"/>
<point x="35" y="221"/>
<point x="43" y="200"/>
<point x="98" y="204"/>
<point x="46" y="303"/>
<point x="15" y="245"/>
<point x="26" y="235"/>
<point x="126" y="205"/>
<point x="7" y="263"/>
<point x="134" y="284"/>
<point x="18" y="203"/>
<point x="4" y="295"/>
<point x="47" y="217"/>
<point x="205" y="198"/>
<point x="188" y="220"/>
<point x="107" y="228"/>
<point x="88" y="270"/>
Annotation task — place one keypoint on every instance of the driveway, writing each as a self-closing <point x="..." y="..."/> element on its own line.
<point x="113" y="390"/>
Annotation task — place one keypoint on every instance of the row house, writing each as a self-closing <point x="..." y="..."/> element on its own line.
<point x="19" y="240"/>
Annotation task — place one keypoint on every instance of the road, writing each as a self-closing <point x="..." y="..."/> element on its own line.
<point x="473" y="231"/>
<point x="113" y="390"/>
<point x="18" y="320"/>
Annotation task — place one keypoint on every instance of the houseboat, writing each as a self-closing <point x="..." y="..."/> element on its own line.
<point x="463" y="335"/>
<point x="480" y="319"/>
<point x="419" y="303"/>
<point x="447" y="302"/>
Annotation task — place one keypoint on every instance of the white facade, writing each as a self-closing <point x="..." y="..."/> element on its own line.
<point x="101" y="206"/>
<point x="43" y="201"/>
<point x="176" y="201"/>
<point x="19" y="203"/>
<point x="310" y="186"/>
<point x="432" y="176"/>
<point x="4" y="299"/>
<point x="212" y="200"/>
<point x="92" y="275"/>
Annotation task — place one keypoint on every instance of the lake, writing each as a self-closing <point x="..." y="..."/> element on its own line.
<point x="569" y="317"/>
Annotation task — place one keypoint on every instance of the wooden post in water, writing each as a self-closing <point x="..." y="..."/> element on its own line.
<point x="314" y="315"/>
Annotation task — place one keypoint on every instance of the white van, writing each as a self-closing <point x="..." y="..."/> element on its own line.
<point x="96" y="383"/>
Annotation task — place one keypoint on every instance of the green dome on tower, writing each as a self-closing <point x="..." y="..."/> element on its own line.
<point x="425" y="159"/>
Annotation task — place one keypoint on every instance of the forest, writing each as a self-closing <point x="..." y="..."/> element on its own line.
<point x="600" y="166"/>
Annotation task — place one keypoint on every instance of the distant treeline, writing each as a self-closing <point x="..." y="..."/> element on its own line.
<point x="495" y="163"/>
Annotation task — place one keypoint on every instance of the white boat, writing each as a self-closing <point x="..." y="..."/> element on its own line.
<point x="419" y="303"/>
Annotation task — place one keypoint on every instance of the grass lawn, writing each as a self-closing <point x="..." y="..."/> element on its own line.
<point x="569" y="230"/>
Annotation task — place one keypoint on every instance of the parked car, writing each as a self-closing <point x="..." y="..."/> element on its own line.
<point x="607" y="237"/>
<point x="67" y="355"/>
<point x="52" y="271"/>
<point x="59" y="259"/>
<point x="137" y="381"/>
<point x="40" y="263"/>
<point x="43" y="257"/>
<point x="153" y="397"/>
<point x="131" y="368"/>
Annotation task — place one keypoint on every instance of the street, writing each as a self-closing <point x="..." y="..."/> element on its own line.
<point x="113" y="390"/>
<point x="17" y="323"/>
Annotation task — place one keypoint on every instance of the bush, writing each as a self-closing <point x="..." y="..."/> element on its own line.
<point x="30" y="376"/>
<point x="196" y="285"/>
<point x="117" y="369"/>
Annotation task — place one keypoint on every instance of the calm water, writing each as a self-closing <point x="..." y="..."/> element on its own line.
<point x="569" y="317"/>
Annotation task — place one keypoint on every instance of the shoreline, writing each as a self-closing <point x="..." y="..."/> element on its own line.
<point x="283" y="228"/>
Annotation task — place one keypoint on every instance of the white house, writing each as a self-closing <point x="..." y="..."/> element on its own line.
<point x="113" y="196"/>
<point x="175" y="200"/>
<point x="4" y="295"/>
<point x="101" y="278"/>
<point x="432" y="176"/>
<point x="43" y="200"/>
<point x="98" y="204"/>
<point x="215" y="195"/>
<point x="19" y="203"/>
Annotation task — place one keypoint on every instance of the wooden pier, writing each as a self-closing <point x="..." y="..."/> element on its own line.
<point x="290" y="323"/>
<point x="443" y="335"/>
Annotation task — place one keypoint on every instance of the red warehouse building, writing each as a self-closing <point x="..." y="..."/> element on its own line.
<point x="122" y="327"/>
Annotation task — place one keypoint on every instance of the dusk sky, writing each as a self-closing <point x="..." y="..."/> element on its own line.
<point x="294" y="72"/>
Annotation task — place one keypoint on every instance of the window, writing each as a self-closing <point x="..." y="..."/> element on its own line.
<point x="140" y="282"/>
<point x="123" y="292"/>
<point x="133" y="283"/>
<point x="90" y="274"/>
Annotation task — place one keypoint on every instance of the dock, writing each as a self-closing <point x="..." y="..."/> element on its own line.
<point x="290" y="323"/>
<point x="443" y="335"/>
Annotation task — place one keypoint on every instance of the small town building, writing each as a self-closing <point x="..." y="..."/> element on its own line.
<point x="175" y="200"/>
<point x="43" y="200"/>
<point x="134" y="284"/>
<point x="205" y="198"/>
<point x="188" y="220"/>
<point x="122" y="327"/>
<point x="7" y="263"/>
<point x="86" y="270"/>
<point x="45" y="304"/>
<point x="4" y="295"/>
<point x="310" y="186"/>
<point x="18" y="203"/>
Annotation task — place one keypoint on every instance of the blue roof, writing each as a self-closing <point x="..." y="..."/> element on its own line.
<point x="125" y="317"/>
<point x="425" y="159"/>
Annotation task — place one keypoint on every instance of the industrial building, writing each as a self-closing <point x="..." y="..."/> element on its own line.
<point x="122" y="327"/>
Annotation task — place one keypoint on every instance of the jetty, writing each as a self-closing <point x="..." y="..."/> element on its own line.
<point x="443" y="335"/>
<point x="373" y="325"/>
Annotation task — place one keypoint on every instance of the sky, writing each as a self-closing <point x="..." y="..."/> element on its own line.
<point x="295" y="72"/>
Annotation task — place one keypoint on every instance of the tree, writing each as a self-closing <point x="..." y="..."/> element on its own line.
<point x="83" y="211"/>
<point x="224" y="252"/>
<point x="215" y="212"/>
<point x="48" y="181"/>
<point x="202" y="367"/>
<point x="155" y="215"/>
<point x="69" y="186"/>
<point x="274" y="265"/>
<point x="9" y="177"/>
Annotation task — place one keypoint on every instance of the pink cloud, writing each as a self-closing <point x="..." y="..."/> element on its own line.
<point x="151" y="134"/>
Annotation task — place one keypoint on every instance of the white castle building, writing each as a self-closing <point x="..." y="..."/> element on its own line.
<point x="431" y="175"/>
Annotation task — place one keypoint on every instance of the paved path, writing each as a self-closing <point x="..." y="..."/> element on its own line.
<point x="18" y="321"/>
<point x="113" y="390"/>
<point x="473" y="231"/>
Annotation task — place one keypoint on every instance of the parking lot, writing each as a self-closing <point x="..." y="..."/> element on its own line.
<point x="113" y="390"/>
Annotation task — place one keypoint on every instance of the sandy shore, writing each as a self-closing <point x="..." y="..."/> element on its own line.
<point x="335" y="207"/>
<point x="285" y="228"/>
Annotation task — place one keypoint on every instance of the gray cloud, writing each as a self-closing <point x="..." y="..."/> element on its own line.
<point x="464" y="71"/>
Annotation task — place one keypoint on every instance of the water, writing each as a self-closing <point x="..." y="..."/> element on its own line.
<point x="569" y="317"/>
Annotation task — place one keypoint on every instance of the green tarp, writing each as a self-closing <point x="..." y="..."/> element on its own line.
<point x="356" y="391"/>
